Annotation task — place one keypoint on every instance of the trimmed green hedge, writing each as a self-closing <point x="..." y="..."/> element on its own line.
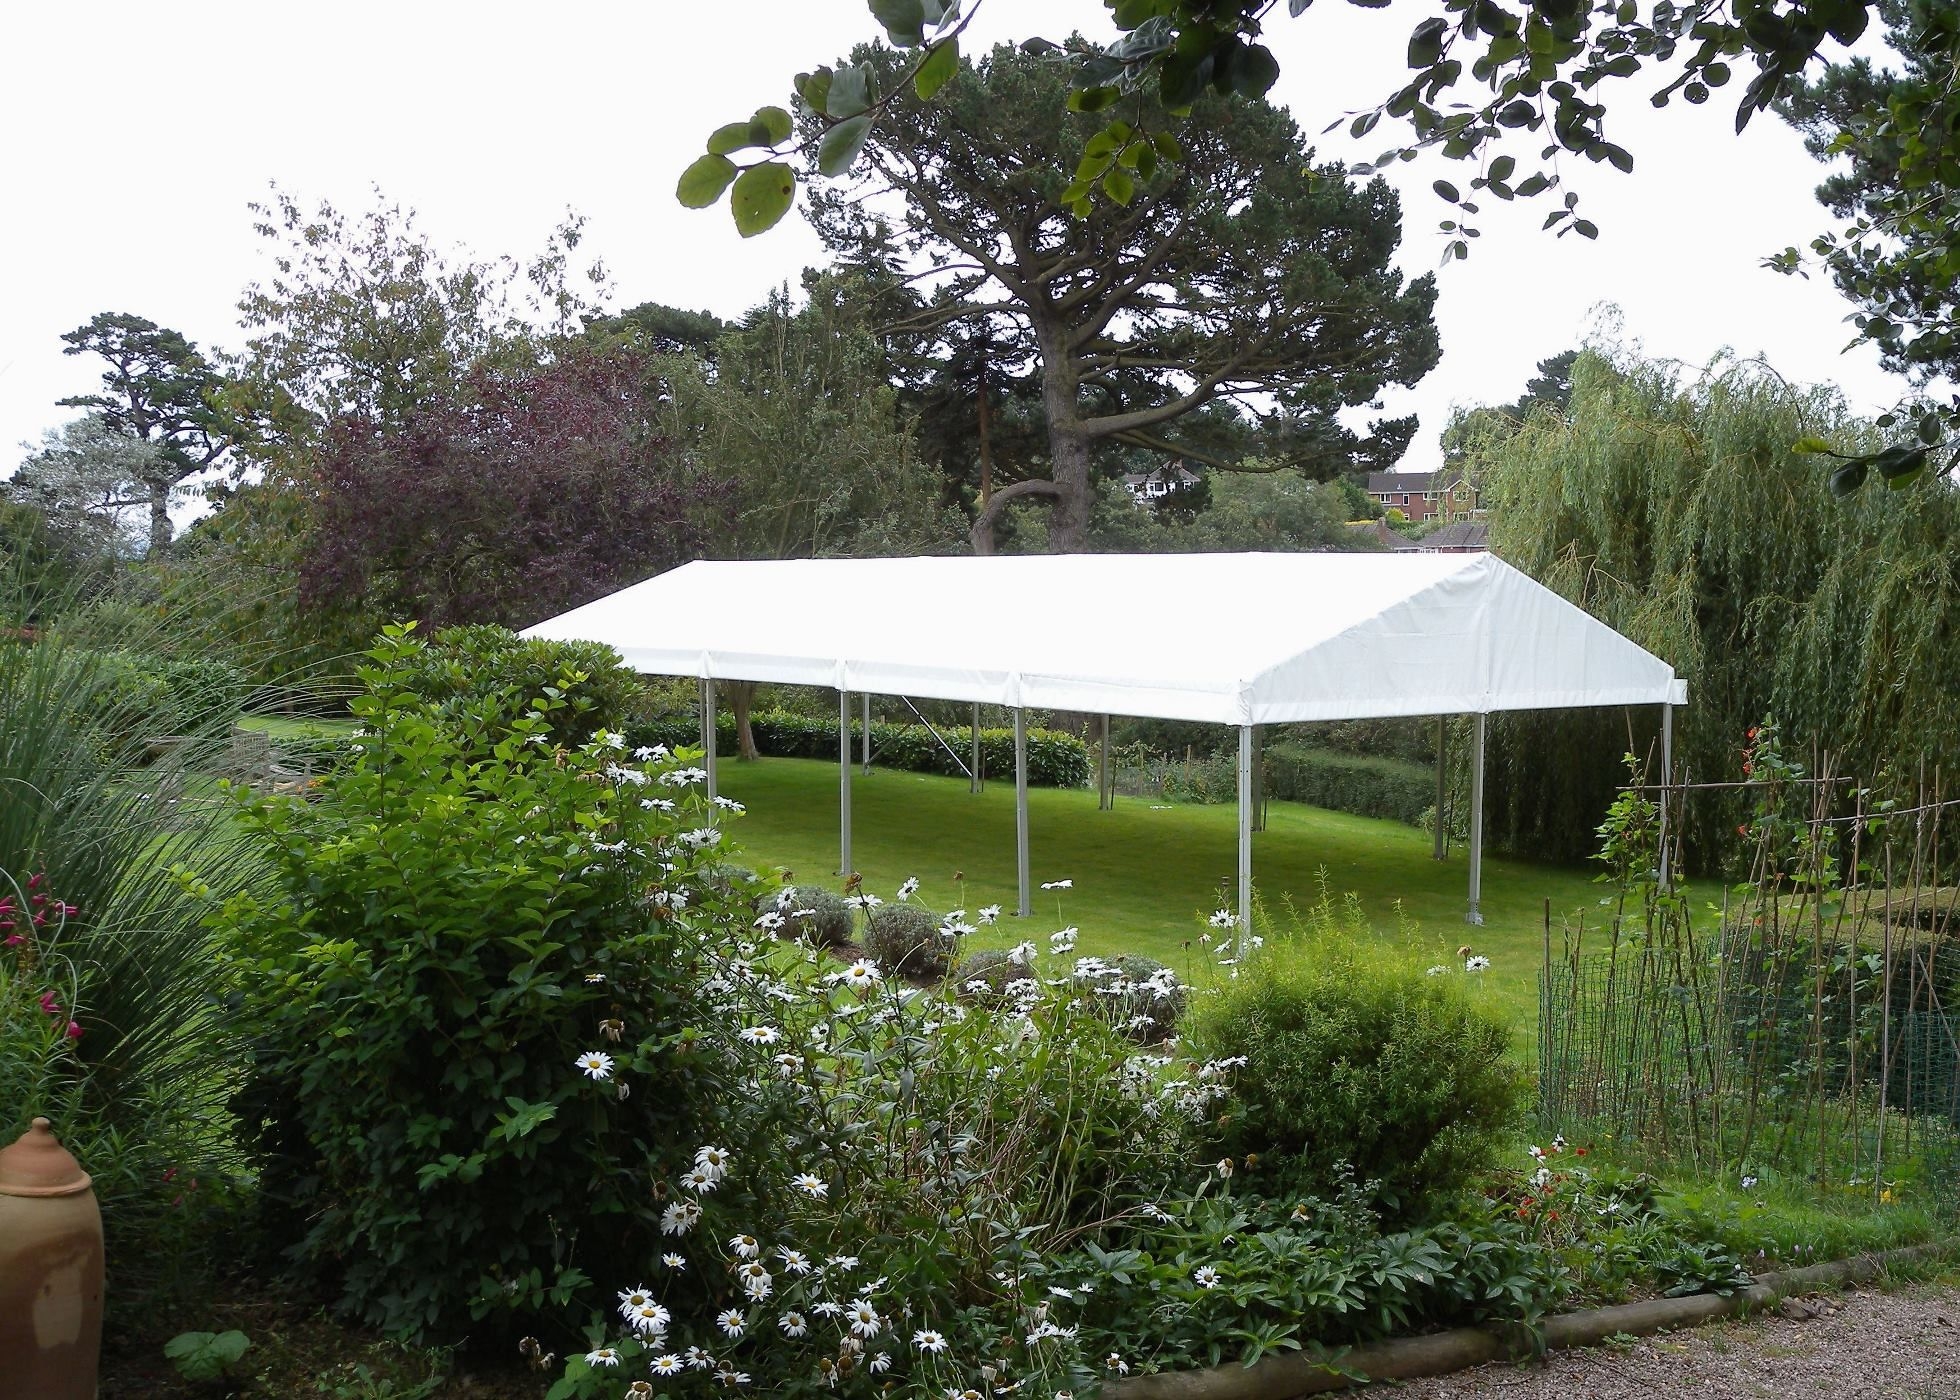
<point x="1054" y="759"/>
<point x="1366" y="786"/>
<point x="136" y="696"/>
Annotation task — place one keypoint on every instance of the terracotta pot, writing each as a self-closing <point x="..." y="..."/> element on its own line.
<point x="50" y="1272"/>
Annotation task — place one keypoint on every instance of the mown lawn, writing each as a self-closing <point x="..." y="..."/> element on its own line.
<point x="1145" y="876"/>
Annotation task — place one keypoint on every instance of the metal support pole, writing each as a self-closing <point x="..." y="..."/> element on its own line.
<point x="1442" y="786"/>
<point x="844" y="780"/>
<point x="1105" y="783"/>
<point x="1245" y="840"/>
<point x="1476" y="914"/>
<point x="1667" y="777"/>
<point x="974" y="781"/>
<point x="708" y="736"/>
<point x="1021" y="805"/>
<point x="864" y="745"/>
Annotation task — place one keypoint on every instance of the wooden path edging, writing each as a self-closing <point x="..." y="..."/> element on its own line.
<point x="1285" y="1375"/>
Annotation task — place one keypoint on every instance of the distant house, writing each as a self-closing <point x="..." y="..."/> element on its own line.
<point x="1147" y="488"/>
<point x="1424" y="495"/>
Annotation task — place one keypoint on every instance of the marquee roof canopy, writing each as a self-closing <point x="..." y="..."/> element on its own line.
<point x="1228" y="638"/>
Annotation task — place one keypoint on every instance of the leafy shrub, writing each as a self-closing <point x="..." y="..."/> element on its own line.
<point x="985" y="973"/>
<point x="134" y="697"/>
<point x="465" y="669"/>
<point x="909" y="938"/>
<point x="469" y="987"/>
<point x="1054" y="759"/>
<point x="817" y="915"/>
<point x="1143" y="998"/>
<point x="1391" y="788"/>
<point x="1353" y="1056"/>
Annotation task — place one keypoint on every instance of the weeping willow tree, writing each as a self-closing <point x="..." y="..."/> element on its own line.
<point x="1672" y="508"/>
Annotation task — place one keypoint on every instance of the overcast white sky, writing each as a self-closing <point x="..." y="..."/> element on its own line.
<point x="135" y="135"/>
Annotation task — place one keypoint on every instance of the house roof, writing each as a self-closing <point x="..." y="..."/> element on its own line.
<point x="1461" y="534"/>
<point x="1225" y="638"/>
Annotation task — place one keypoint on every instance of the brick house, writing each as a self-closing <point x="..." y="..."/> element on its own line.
<point x="1424" y="495"/>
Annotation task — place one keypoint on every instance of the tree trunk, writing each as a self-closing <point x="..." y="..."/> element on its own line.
<point x="160" y="527"/>
<point x="741" y="696"/>
<point x="1068" y="447"/>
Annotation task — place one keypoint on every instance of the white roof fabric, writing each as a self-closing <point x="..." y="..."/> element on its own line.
<point x="1229" y="638"/>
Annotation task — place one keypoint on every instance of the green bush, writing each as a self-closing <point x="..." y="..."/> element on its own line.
<point x="1144" y="999"/>
<point x="465" y="669"/>
<point x="828" y="921"/>
<point x="983" y="975"/>
<point x="1391" y="788"/>
<point x="1054" y="759"/>
<point x="1353" y="1056"/>
<point x="909" y="938"/>
<point x="135" y="697"/>
<point x="457" y="920"/>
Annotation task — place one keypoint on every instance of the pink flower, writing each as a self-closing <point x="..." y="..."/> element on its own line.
<point x="74" y="1030"/>
<point x="13" y="940"/>
<point x="49" y="1004"/>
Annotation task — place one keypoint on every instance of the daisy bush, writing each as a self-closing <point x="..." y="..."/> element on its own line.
<point x="896" y="1168"/>
<point x="474" y="1004"/>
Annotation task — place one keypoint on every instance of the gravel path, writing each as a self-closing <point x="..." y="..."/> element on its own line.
<point x="1898" y="1345"/>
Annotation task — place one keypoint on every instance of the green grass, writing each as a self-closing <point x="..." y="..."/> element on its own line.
<point x="298" y="726"/>
<point x="1145" y="876"/>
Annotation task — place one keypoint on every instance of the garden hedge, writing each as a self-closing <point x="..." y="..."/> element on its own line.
<point x="1054" y="759"/>
<point x="1366" y="786"/>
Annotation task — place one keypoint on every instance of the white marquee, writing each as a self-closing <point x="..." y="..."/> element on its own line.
<point x="1238" y="639"/>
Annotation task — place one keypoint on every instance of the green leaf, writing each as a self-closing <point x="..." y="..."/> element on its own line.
<point x="1445" y="190"/>
<point x="762" y="195"/>
<point x="938" y="69"/>
<point x="1103" y="143"/>
<point x="1848" y="478"/>
<point x="1255" y="71"/>
<point x="1426" y="42"/>
<point x="904" y="21"/>
<point x="1813" y="444"/>
<point x="850" y="92"/>
<point x="1119" y="185"/>
<point x="1166" y="145"/>
<point x="773" y="123"/>
<point x="814" y="89"/>
<point x="1092" y="99"/>
<point x="735" y="136"/>
<point x="701" y="183"/>
<point x="840" y="145"/>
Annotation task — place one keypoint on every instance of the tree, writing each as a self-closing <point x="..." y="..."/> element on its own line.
<point x="365" y="316"/>
<point x="162" y="398"/>
<point x="795" y="414"/>
<point x="1668" y="507"/>
<point x="1242" y="272"/>
<point x="87" y="481"/>
<point x="1469" y="430"/>
<point x="1898" y="258"/>
<point x="527" y="492"/>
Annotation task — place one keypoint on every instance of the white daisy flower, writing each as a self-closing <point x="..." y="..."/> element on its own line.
<point x="731" y="1322"/>
<point x="769" y="921"/>
<point x="929" y="1341"/>
<point x="811" y="1185"/>
<point x="794" y="1324"/>
<point x="864" y="1319"/>
<point x="698" y="1359"/>
<point x="604" y="1356"/>
<point x="673" y="1261"/>
<point x="713" y="1159"/>
<point x="698" y="1181"/>
<point x="1058" y="884"/>
<point x="666" y="1365"/>
<point x="729" y="804"/>
<point x="794" y="1260"/>
<point x="597" y="1064"/>
<point x="860" y="976"/>
<point x="745" y="1246"/>
<point x="756" y="1281"/>
<point x="1222" y="918"/>
<point x="843" y="1263"/>
<point x="1477" y="964"/>
<point x="761" y="1035"/>
<point x="787" y="1064"/>
<point x="1206" y="1277"/>
<point x="908" y="889"/>
<point x="632" y="1300"/>
<point x="990" y="915"/>
<point x="679" y="1218"/>
<point x="879" y="1364"/>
